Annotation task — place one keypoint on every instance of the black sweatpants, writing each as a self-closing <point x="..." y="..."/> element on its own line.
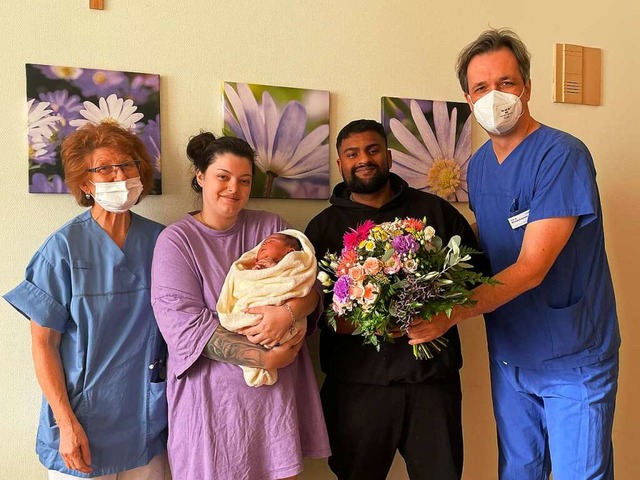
<point x="368" y="423"/>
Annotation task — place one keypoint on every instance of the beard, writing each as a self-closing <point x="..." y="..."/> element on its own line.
<point x="369" y="185"/>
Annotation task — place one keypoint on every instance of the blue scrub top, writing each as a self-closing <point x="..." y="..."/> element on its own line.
<point x="81" y="284"/>
<point x="570" y="319"/>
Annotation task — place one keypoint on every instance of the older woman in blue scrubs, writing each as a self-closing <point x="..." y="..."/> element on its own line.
<point x="96" y="346"/>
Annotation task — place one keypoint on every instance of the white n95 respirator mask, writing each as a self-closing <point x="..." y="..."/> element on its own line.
<point x="497" y="112"/>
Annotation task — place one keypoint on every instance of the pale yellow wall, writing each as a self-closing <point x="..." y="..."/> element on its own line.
<point x="359" y="51"/>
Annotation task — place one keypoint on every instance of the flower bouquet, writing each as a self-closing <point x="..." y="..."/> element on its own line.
<point x="387" y="274"/>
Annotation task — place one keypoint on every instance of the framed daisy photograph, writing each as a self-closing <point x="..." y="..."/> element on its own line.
<point x="430" y="142"/>
<point x="61" y="99"/>
<point x="289" y="130"/>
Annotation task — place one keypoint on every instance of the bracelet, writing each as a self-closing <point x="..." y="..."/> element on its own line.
<point x="293" y="317"/>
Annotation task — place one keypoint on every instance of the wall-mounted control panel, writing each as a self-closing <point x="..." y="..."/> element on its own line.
<point x="578" y="74"/>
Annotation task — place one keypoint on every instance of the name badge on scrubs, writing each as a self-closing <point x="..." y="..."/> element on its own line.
<point x="519" y="219"/>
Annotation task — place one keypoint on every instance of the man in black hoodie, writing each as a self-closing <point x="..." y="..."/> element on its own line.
<point x="377" y="403"/>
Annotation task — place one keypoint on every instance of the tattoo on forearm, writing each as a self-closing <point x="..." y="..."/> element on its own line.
<point x="233" y="348"/>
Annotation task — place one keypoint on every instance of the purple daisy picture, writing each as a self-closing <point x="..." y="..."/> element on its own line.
<point x="289" y="130"/>
<point x="62" y="99"/>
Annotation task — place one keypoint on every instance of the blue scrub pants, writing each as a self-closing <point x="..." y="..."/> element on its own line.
<point x="562" y="418"/>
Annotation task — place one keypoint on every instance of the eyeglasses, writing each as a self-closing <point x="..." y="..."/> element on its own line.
<point x="130" y="167"/>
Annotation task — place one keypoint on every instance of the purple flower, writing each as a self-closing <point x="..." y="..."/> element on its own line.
<point x="100" y="83"/>
<point x="40" y="184"/>
<point x="61" y="103"/>
<point x="140" y="88"/>
<point x="341" y="289"/>
<point x="42" y="151"/>
<point x="151" y="138"/>
<point x="405" y="244"/>
<point x="283" y="147"/>
<point x="67" y="107"/>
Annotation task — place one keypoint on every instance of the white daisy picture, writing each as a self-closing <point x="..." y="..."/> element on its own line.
<point x="430" y="143"/>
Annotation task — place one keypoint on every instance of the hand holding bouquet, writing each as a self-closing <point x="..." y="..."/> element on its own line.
<point x="387" y="274"/>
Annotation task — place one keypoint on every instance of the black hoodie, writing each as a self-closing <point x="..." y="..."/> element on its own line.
<point x="344" y="356"/>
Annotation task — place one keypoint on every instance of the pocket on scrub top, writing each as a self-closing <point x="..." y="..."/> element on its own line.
<point x="571" y="329"/>
<point x="48" y="431"/>
<point x="156" y="409"/>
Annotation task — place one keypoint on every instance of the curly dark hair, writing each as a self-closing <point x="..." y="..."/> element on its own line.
<point x="203" y="149"/>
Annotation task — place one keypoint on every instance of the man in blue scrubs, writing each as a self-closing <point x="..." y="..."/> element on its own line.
<point x="551" y="323"/>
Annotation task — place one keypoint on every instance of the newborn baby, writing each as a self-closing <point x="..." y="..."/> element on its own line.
<point x="281" y="267"/>
<point x="274" y="248"/>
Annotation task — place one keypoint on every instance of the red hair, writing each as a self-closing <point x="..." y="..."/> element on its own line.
<point x="78" y="145"/>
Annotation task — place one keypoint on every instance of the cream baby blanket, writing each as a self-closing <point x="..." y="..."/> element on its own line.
<point x="292" y="277"/>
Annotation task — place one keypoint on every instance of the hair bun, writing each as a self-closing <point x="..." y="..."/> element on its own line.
<point x="197" y="146"/>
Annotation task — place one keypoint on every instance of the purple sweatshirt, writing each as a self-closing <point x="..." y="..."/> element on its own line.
<point x="218" y="426"/>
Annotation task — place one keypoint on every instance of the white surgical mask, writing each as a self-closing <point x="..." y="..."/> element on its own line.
<point x="117" y="197"/>
<point x="497" y="112"/>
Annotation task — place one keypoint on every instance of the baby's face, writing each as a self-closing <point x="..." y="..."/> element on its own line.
<point x="273" y="248"/>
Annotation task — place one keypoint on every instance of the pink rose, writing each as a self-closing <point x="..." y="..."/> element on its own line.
<point x="341" y="308"/>
<point x="356" y="291"/>
<point x="356" y="273"/>
<point x="392" y="265"/>
<point x="372" y="266"/>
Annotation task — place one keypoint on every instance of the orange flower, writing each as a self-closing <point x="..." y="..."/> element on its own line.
<point x="414" y="223"/>
<point x="348" y="259"/>
<point x="370" y="293"/>
<point x="372" y="266"/>
<point x="342" y="270"/>
<point x="356" y="273"/>
<point x="356" y="291"/>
